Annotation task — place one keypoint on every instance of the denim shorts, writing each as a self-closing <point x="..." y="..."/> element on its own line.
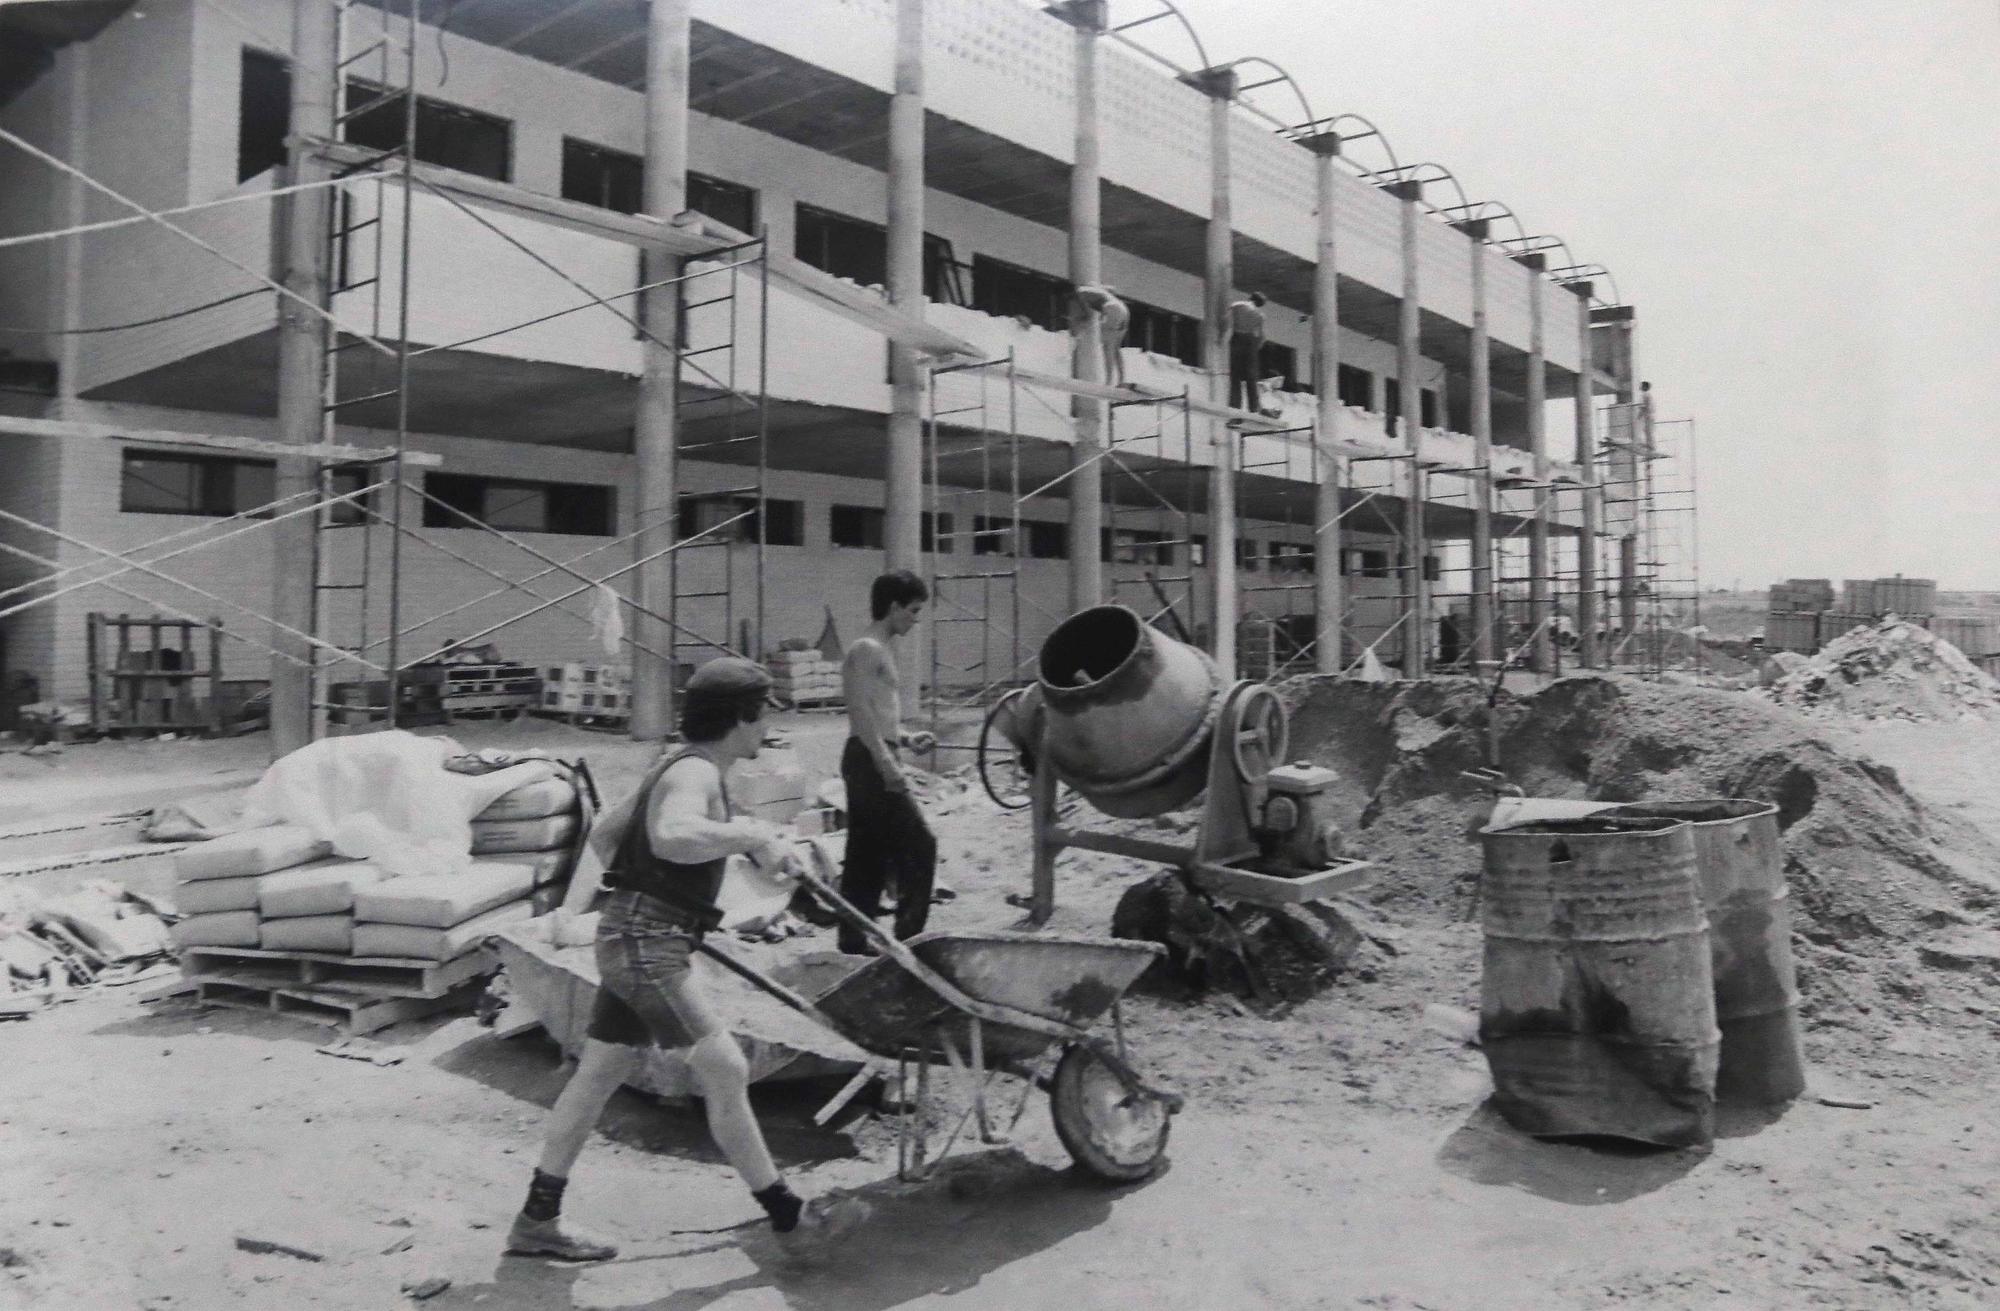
<point x="646" y="992"/>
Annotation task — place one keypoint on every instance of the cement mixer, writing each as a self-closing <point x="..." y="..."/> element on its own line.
<point x="1140" y="725"/>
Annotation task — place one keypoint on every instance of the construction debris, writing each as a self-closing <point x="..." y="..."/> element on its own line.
<point x="1890" y="670"/>
<point x="265" y="1247"/>
<point x="98" y="934"/>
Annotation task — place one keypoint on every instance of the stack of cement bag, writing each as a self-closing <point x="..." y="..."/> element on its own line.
<point x="804" y="676"/>
<point x="280" y="889"/>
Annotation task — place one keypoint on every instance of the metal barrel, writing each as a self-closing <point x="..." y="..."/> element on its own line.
<point x="1738" y="855"/>
<point x="1126" y="711"/>
<point x="1597" y="1007"/>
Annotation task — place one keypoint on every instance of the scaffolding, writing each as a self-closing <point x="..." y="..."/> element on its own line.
<point x="1270" y="603"/>
<point x="717" y="551"/>
<point x="352" y="582"/>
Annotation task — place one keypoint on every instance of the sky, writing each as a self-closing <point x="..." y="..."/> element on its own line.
<point x="1800" y="197"/>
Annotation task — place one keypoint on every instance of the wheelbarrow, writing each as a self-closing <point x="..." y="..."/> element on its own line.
<point x="986" y="1003"/>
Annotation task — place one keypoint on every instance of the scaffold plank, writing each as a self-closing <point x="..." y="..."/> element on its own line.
<point x="69" y="428"/>
<point x="703" y="237"/>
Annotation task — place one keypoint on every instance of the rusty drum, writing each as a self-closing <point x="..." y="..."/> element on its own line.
<point x="1597" y="1010"/>
<point x="1737" y="853"/>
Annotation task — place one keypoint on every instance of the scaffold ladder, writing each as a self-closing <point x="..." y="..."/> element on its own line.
<point x="730" y="426"/>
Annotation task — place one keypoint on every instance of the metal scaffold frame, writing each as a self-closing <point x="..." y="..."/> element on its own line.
<point x="995" y="528"/>
<point x="708" y="358"/>
<point x="1292" y="558"/>
<point x="337" y="508"/>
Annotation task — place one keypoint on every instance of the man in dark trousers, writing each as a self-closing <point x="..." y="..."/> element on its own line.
<point x="1244" y="323"/>
<point x="663" y="872"/>
<point x="886" y="833"/>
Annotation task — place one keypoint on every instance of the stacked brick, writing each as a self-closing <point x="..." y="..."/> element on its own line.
<point x="587" y="691"/>
<point x="804" y="678"/>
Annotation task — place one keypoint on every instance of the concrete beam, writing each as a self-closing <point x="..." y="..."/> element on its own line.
<point x="332" y="453"/>
<point x="1543" y="657"/>
<point x="1409" y="351"/>
<point x="903" y="476"/>
<point x="655" y="436"/>
<point x="1587" y="594"/>
<point x="684" y="234"/>
<point x="1329" y="594"/>
<point x="1220" y="85"/>
<point x="1089" y="362"/>
<point x="1482" y="441"/>
<point x="304" y="220"/>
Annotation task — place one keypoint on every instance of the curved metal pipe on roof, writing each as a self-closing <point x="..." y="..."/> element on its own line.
<point x="1167" y="8"/>
<point x="1282" y="76"/>
<point x="1397" y="170"/>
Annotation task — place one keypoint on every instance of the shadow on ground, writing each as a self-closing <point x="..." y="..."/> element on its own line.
<point x="1487" y="1150"/>
<point x="975" y="1215"/>
<point x="530" y="1069"/>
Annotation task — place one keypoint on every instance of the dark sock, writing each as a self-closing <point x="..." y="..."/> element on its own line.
<point x="544" y="1197"/>
<point x="781" y="1204"/>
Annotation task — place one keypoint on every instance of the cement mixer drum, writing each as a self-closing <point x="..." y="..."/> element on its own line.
<point x="1125" y="712"/>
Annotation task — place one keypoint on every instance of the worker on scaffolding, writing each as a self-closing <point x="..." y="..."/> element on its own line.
<point x="1243" y="328"/>
<point x="1113" y="318"/>
<point x="663" y="874"/>
<point x="888" y="840"/>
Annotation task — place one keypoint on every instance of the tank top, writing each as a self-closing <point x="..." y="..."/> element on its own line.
<point x="634" y="867"/>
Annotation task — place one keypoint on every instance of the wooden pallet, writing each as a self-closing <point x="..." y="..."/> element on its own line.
<point x="352" y="1009"/>
<point x="510" y="704"/>
<point x="583" y="718"/>
<point x="382" y="976"/>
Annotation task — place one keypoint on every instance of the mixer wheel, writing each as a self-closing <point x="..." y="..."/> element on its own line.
<point x="1256" y="717"/>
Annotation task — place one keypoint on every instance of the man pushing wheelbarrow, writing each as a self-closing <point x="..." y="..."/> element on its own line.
<point x="978" y="1003"/>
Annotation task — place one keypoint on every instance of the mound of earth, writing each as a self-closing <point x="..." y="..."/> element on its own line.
<point x="1873" y="876"/>
<point x="1890" y="670"/>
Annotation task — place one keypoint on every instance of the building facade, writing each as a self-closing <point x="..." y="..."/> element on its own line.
<point x="526" y="388"/>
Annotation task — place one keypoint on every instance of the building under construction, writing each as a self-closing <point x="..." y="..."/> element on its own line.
<point x="566" y="325"/>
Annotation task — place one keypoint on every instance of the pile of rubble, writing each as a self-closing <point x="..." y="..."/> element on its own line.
<point x="99" y="934"/>
<point x="1873" y="874"/>
<point x="1890" y="670"/>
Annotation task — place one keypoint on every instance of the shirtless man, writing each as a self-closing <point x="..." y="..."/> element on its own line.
<point x="1113" y="318"/>
<point x="663" y="877"/>
<point x="885" y="831"/>
<point x="1243" y="331"/>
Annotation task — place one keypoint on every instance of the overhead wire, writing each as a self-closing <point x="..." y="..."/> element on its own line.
<point x="137" y="323"/>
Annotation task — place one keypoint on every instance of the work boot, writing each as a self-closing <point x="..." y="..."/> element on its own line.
<point x="823" y="1223"/>
<point x="551" y="1238"/>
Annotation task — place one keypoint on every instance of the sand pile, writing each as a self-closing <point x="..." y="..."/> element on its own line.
<point x="1873" y="876"/>
<point x="1890" y="670"/>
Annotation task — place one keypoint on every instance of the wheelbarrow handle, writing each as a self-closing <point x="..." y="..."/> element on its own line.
<point x="764" y="983"/>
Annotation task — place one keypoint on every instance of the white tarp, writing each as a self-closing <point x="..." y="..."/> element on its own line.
<point x="385" y="797"/>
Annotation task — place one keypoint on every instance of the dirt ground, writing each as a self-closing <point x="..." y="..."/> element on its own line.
<point x="1334" y="1155"/>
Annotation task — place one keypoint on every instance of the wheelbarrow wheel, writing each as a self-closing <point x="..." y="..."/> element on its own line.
<point x="1114" y="1134"/>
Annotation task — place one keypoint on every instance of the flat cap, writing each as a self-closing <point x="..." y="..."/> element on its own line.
<point x="729" y="676"/>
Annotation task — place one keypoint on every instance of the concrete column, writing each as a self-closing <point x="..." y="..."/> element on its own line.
<point x="655" y="437"/>
<point x="304" y="218"/>
<point x="1543" y="656"/>
<point x="1642" y="524"/>
<point x="1220" y="85"/>
<point x="1587" y="608"/>
<point x="1482" y="445"/>
<point x="903" y="475"/>
<point x="1416" y="542"/>
<point x="1086" y="484"/>
<point x="1329" y="590"/>
<point x="68" y="208"/>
